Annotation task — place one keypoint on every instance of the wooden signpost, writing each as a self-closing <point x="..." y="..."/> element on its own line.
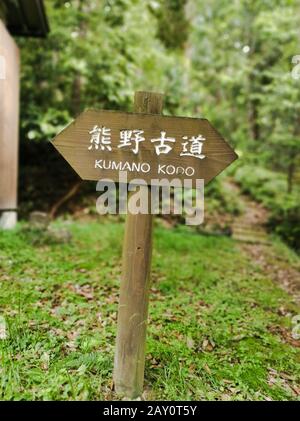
<point x="148" y="146"/>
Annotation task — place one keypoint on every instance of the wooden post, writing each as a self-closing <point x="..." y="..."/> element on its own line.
<point x="82" y="152"/>
<point x="9" y="128"/>
<point x="134" y="291"/>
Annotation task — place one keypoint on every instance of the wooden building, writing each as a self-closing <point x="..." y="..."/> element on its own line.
<point x="17" y="18"/>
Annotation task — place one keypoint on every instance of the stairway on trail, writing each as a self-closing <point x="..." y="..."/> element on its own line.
<point x="249" y="227"/>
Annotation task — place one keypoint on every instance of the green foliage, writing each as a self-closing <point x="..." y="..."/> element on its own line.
<point x="285" y="220"/>
<point x="227" y="61"/>
<point x="270" y="188"/>
<point x="242" y="67"/>
<point x="262" y="184"/>
<point x="219" y="198"/>
<point x="93" y="57"/>
<point x="173" y="25"/>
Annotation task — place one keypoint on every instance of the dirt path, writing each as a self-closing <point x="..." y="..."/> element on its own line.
<point x="249" y="229"/>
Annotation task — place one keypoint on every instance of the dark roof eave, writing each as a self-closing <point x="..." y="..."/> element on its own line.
<point x="27" y="18"/>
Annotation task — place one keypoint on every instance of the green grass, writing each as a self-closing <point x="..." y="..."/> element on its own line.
<point x="215" y="330"/>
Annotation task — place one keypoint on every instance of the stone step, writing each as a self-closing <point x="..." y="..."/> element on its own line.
<point x="250" y="232"/>
<point x="253" y="240"/>
<point x="243" y="224"/>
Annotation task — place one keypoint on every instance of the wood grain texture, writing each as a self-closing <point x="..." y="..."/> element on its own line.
<point x="74" y="140"/>
<point x="9" y="121"/>
<point x="134" y="291"/>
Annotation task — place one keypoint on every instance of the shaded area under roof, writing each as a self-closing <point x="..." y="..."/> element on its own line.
<point x="25" y="17"/>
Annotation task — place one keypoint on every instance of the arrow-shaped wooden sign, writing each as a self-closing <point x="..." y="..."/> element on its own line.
<point x="100" y="144"/>
<point x="148" y="147"/>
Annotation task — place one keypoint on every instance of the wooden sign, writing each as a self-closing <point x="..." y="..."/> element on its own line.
<point x="100" y="144"/>
<point x="148" y="146"/>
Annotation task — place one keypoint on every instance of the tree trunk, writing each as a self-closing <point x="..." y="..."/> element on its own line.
<point x="290" y="176"/>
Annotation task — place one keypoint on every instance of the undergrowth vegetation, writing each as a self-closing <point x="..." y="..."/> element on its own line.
<point x="270" y="189"/>
<point x="219" y="329"/>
